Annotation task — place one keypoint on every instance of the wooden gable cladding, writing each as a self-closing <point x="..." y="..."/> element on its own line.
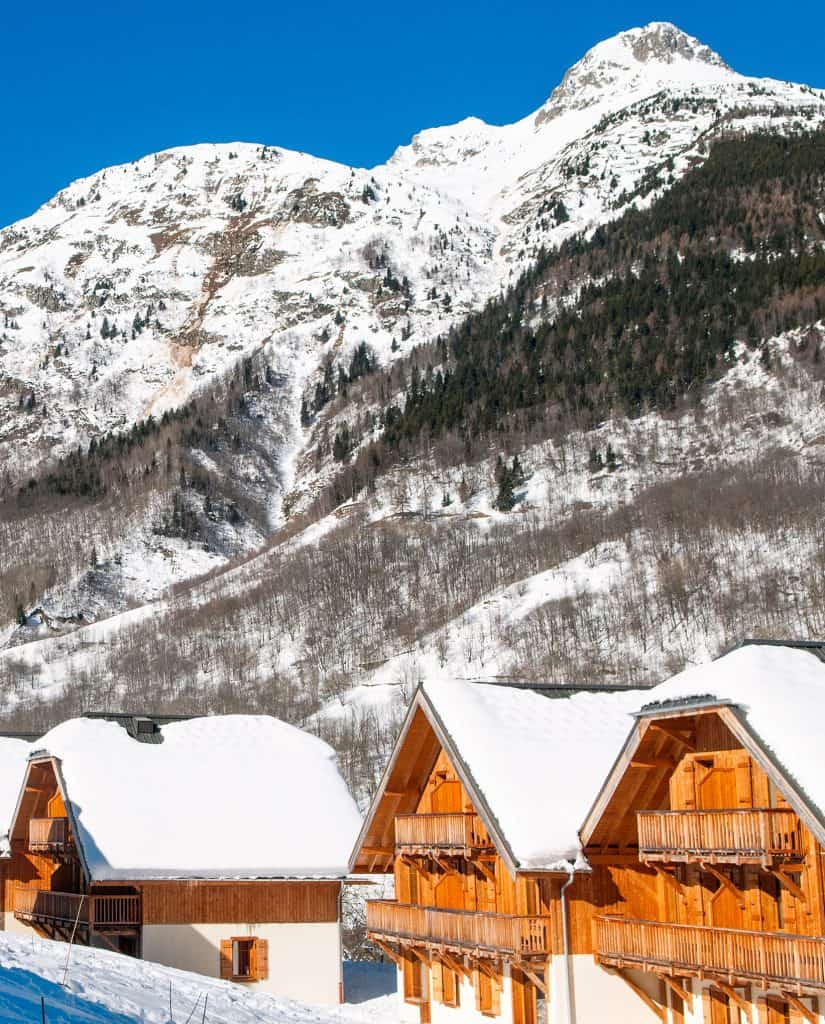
<point x="723" y="871"/>
<point x="644" y="785"/>
<point x="255" y="902"/>
<point x="443" y="792"/>
<point x="40" y="791"/>
<point x="413" y="758"/>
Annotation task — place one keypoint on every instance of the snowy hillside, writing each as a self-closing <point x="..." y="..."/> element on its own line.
<point x="108" y="988"/>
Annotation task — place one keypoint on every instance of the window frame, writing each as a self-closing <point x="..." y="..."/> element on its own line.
<point x="249" y="942"/>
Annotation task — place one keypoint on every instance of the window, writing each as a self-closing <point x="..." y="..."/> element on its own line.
<point x="449" y="982"/>
<point x="244" y="959"/>
<point x="445" y="983"/>
<point x="488" y="993"/>
<point x="413" y="979"/>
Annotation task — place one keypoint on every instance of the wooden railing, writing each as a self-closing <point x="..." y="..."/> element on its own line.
<point x="111" y="911"/>
<point x="60" y="907"/>
<point x="67" y="907"/>
<point x="526" y="936"/>
<point x="441" y="831"/>
<point x="751" y="956"/>
<point x="48" y="834"/>
<point x="728" y="835"/>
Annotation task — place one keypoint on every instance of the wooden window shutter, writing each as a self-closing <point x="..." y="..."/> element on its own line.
<point x="260" y="963"/>
<point x="226" y="959"/>
<point x="437" y="981"/>
<point x="495" y="996"/>
<point x="477" y="982"/>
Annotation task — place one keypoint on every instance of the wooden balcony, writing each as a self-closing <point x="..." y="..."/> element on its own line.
<point x="48" y="835"/>
<point x="40" y="906"/>
<point x="767" y="958"/>
<point x="730" y="836"/>
<point x="460" y="930"/>
<point x="452" y="834"/>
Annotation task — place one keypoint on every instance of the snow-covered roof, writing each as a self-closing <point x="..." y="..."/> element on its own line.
<point x="780" y="692"/>
<point x="236" y="796"/>
<point x="539" y="764"/>
<point x="536" y="761"/>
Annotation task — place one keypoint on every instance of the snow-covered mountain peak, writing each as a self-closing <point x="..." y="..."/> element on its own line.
<point x="659" y="41"/>
<point x="645" y="59"/>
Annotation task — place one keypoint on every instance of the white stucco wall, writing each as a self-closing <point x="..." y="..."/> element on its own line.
<point x="596" y="995"/>
<point x="465" y="1012"/>
<point x="11" y="924"/>
<point x="304" y="959"/>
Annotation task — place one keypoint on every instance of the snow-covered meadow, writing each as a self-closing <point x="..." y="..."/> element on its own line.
<point x="108" y="988"/>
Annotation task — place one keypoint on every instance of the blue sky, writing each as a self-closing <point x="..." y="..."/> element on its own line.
<point x="91" y="84"/>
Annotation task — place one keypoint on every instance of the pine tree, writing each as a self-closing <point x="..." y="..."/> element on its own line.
<point x="506" y="497"/>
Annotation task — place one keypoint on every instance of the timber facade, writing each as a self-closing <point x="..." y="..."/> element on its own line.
<point x="707" y="875"/>
<point x="466" y="932"/>
<point x="700" y="897"/>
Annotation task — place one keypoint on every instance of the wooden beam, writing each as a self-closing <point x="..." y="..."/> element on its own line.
<point x="651" y="1003"/>
<point x="726" y="882"/>
<point x="668" y="876"/>
<point x="488" y="873"/>
<point x="810" y="1015"/>
<point x="652" y="762"/>
<point x="485" y="968"/>
<point x="421" y="956"/>
<point x="376" y="851"/>
<point x="528" y="971"/>
<point x="396" y="958"/>
<point x="674" y="735"/>
<point x="412" y="863"/>
<point x="734" y="997"/>
<point x="789" y="884"/>
<point x="614" y="859"/>
<point x="445" y="866"/>
<point x="679" y="989"/>
<point x="454" y="965"/>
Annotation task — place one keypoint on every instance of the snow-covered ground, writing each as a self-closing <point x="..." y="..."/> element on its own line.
<point x="108" y="988"/>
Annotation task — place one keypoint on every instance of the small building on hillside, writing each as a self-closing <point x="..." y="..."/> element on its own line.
<point x="216" y="845"/>
<point x="632" y="857"/>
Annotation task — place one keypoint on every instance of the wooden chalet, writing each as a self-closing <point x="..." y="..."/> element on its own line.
<point x="681" y="877"/>
<point x="707" y="843"/>
<point x="459" y="820"/>
<point x="186" y="843"/>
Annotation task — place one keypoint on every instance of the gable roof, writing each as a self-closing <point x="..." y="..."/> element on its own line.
<point x="521" y="758"/>
<point x="771" y="695"/>
<point x="537" y="769"/>
<point x="231" y="796"/>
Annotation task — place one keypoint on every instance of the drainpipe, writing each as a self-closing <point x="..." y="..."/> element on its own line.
<point x="565" y="938"/>
<point x="340" y="908"/>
